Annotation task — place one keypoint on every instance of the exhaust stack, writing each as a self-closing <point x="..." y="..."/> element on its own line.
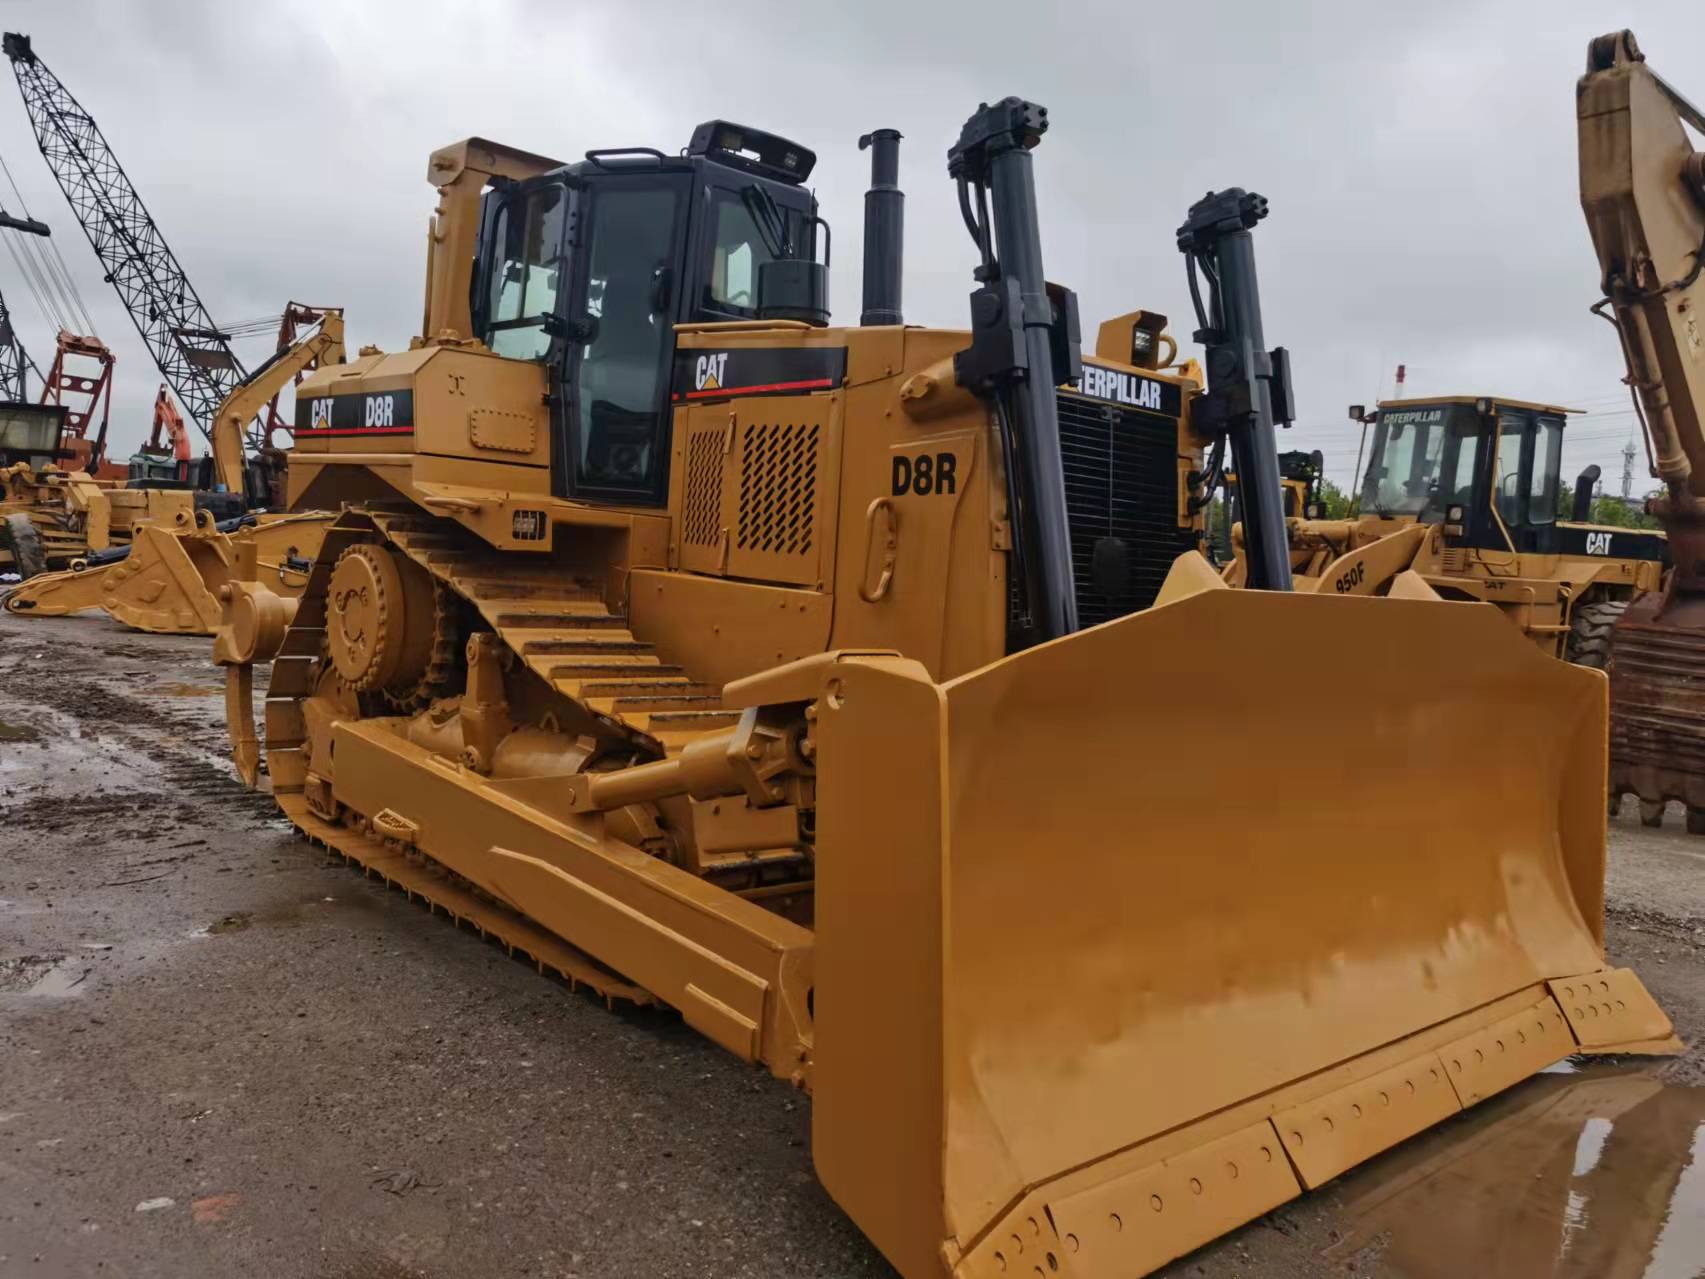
<point x="884" y="229"/>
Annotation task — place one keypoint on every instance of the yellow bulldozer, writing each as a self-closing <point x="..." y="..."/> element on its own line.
<point x="165" y="573"/>
<point x="848" y="689"/>
<point x="1465" y="491"/>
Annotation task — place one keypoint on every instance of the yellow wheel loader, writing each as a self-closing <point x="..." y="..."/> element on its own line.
<point x="1299" y="480"/>
<point x="32" y="444"/>
<point x="1643" y="193"/>
<point x="1465" y="491"/>
<point x="166" y="573"/>
<point x="848" y="690"/>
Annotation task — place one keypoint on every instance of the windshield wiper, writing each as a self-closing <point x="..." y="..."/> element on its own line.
<point x="770" y="220"/>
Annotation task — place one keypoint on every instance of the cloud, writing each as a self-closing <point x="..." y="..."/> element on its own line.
<point x="1419" y="159"/>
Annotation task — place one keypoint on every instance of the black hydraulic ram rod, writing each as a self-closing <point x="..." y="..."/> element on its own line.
<point x="1248" y="385"/>
<point x="884" y="230"/>
<point x="1024" y="344"/>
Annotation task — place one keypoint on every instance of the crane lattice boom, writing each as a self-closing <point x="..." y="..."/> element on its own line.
<point x="193" y="356"/>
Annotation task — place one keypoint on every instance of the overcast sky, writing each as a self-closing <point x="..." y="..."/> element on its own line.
<point x="1420" y="159"/>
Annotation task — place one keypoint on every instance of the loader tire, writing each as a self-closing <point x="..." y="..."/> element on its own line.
<point x="1590" y="633"/>
<point x="19" y="536"/>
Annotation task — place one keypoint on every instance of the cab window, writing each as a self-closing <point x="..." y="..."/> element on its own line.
<point x="748" y="228"/>
<point x="1512" y="427"/>
<point x="1462" y="459"/>
<point x="737" y="251"/>
<point x="1547" y="464"/>
<point x="521" y="290"/>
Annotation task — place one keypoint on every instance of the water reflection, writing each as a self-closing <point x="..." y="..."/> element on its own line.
<point x="1594" y="1175"/>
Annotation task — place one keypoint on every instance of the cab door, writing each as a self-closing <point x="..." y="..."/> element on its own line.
<point x="614" y="395"/>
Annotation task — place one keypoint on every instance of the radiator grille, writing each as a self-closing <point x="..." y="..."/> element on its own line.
<point x="1121" y="483"/>
<point x="701" y="522"/>
<point x="778" y="488"/>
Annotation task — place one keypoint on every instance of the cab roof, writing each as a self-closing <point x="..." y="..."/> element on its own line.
<point x="1416" y="401"/>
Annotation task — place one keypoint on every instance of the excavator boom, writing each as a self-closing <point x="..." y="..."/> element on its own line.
<point x="1643" y="193"/>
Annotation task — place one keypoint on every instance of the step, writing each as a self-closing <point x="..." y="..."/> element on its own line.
<point x="641" y="685"/>
<point x="497" y="580"/>
<point x="594" y="618"/>
<point x="629" y="704"/>
<point x="612" y="667"/>
<point x="548" y="639"/>
<point x="676" y="721"/>
<point x="581" y="645"/>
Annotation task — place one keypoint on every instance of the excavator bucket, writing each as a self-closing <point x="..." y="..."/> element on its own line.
<point x="1109" y="961"/>
<point x="169" y="580"/>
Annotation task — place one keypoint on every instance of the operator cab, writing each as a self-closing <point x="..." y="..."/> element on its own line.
<point x="33" y="433"/>
<point x="1299" y="478"/>
<point x="588" y="268"/>
<point x="1489" y="466"/>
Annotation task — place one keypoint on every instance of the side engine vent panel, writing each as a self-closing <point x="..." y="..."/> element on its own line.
<point x="701" y="517"/>
<point x="755" y="496"/>
<point x="778" y="488"/>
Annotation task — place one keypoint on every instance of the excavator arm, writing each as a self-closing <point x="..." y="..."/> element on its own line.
<point x="170" y="423"/>
<point x="251" y="396"/>
<point x="1643" y="193"/>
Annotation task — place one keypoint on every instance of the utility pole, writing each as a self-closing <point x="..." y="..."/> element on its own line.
<point x="1628" y="469"/>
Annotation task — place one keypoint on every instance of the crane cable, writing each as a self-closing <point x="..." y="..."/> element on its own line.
<point x="50" y="278"/>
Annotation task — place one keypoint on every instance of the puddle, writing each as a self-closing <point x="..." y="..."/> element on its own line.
<point x="48" y="975"/>
<point x="19" y="732"/>
<point x="189" y="690"/>
<point x="288" y="914"/>
<point x="64" y="979"/>
<point x="1570" y="1176"/>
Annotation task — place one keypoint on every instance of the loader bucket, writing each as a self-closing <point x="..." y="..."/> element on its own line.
<point x="1112" y="958"/>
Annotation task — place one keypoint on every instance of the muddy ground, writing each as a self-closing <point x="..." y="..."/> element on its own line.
<point x="222" y="1053"/>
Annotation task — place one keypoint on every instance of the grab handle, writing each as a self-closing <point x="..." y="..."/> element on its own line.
<point x="890" y="547"/>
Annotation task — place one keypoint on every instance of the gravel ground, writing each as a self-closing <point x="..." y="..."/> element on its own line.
<point x="222" y="1053"/>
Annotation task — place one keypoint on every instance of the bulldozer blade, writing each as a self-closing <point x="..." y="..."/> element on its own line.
<point x="1125" y="962"/>
<point x="169" y="582"/>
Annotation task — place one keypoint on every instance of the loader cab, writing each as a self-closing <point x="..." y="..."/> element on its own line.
<point x="1299" y="482"/>
<point x="33" y="434"/>
<point x="1528" y="478"/>
<point x="587" y="269"/>
<point x="1487" y="467"/>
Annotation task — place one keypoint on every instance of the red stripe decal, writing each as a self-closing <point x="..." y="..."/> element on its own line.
<point x="815" y="384"/>
<point x="355" y="430"/>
